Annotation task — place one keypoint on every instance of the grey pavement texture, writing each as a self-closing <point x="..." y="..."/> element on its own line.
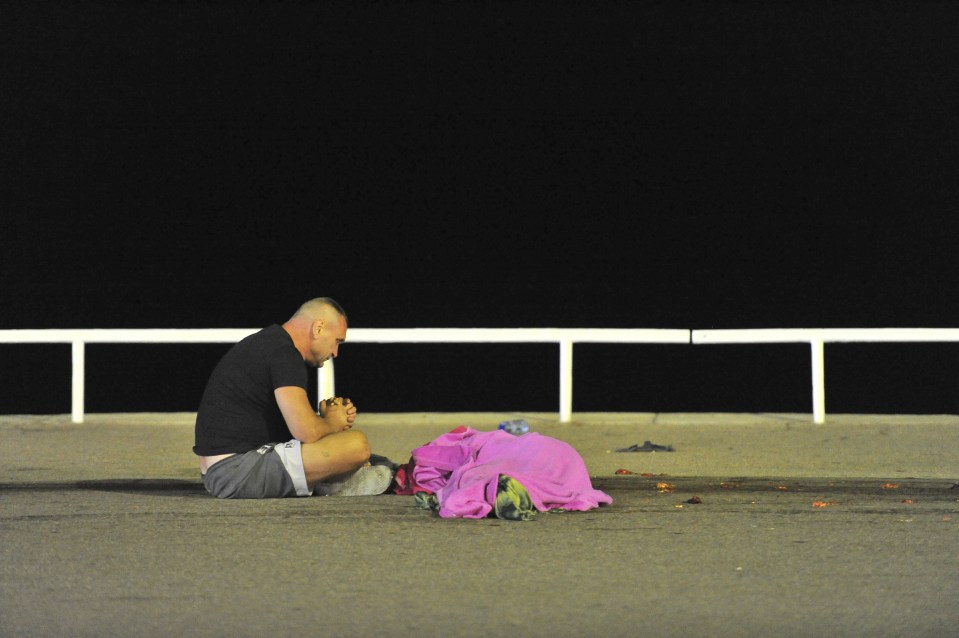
<point x="105" y="530"/>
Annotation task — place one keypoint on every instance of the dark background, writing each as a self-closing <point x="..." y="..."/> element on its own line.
<point x="489" y="164"/>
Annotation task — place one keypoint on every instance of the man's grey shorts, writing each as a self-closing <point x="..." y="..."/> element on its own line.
<point x="274" y="470"/>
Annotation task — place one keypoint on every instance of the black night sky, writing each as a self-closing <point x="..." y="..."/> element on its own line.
<point x="457" y="164"/>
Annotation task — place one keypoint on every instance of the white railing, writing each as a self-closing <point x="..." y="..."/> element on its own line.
<point x="816" y="338"/>
<point x="564" y="337"/>
<point x="80" y="337"/>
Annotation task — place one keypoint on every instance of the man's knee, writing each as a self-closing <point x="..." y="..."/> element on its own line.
<point x="358" y="446"/>
<point x="334" y="455"/>
<point x="343" y="448"/>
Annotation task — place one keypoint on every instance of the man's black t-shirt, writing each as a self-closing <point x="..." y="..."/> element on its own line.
<point x="238" y="411"/>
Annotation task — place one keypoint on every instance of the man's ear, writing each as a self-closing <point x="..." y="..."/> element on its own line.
<point x="317" y="327"/>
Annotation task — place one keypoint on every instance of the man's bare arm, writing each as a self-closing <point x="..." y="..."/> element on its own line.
<point x="305" y="424"/>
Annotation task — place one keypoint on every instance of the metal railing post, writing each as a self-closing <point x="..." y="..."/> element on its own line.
<point x="78" y="376"/>
<point x="565" y="381"/>
<point x="818" y="382"/>
<point x="325" y="383"/>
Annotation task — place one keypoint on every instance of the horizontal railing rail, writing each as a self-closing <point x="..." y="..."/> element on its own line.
<point x="564" y="337"/>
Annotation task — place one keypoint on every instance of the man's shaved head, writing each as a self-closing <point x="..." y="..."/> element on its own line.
<point x="319" y="308"/>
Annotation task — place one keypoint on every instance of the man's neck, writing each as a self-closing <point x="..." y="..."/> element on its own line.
<point x="298" y="334"/>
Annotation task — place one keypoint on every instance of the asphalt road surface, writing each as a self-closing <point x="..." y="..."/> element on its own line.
<point x="106" y="531"/>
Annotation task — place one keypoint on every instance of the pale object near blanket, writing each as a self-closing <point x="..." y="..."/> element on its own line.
<point x="462" y="468"/>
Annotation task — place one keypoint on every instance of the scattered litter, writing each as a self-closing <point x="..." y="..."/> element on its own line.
<point x="518" y="427"/>
<point x="908" y="501"/>
<point x="890" y="486"/>
<point x="694" y="500"/>
<point x="822" y="503"/>
<point x="781" y="488"/>
<point x="647" y="446"/>
<point x="665" y="487"/>
<point x="622" y="471"/>
<point x="728" y="486"/>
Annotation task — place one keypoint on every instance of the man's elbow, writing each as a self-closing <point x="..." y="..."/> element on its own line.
<point x="307" y="435"/>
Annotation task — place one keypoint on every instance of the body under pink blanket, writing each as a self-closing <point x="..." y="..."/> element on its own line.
<point x="463" y="467"/>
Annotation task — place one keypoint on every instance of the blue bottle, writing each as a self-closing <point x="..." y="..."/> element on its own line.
<point x="516" y="426"/>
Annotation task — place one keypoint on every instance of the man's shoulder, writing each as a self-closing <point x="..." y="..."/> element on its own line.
<point x="267" y="343"/>
<point x="273" y="331"/>
<point x="270" y="337"/>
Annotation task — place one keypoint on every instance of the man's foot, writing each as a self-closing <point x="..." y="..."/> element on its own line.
<point x="368" y="480"/>
<point x="376" y="459"/>
<point x="513" y="501"/>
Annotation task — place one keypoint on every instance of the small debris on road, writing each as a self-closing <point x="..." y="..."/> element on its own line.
<point x="647" y="446"/>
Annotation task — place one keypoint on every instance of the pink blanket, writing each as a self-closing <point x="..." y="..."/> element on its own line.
<point x="462" y="468"/>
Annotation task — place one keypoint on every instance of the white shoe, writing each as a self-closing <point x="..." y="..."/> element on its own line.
<point x="368" y="480"/>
